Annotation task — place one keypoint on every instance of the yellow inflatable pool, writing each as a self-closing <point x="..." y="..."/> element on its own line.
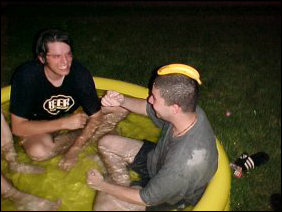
<point x="71" y="188"/>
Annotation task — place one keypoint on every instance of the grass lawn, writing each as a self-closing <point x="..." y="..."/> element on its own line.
<point x="237" y="50"/>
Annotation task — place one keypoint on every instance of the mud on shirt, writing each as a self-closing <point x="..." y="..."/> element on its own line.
<point x="180" y="167"/>
<point x="33" y="97"/>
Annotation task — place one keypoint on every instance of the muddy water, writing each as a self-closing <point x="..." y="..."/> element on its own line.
<point x="70" y="186"/>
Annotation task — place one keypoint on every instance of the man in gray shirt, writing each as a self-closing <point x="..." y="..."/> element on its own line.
<point x="176" y="170"/>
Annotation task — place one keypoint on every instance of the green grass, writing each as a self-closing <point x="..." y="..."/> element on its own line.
<point x="237" y="51"/>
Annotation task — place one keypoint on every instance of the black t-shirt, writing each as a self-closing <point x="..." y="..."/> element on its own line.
<point x="33" y="97"/>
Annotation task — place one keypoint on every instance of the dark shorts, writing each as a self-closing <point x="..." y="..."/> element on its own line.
<point x="139" y="164"/>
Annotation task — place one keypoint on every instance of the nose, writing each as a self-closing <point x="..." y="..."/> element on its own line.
<point x="64" y="59"/>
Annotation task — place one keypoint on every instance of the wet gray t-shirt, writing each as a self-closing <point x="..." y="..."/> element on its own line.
<point x="180" y="167"/>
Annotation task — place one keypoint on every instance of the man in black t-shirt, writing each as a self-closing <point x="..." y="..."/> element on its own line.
<point x="45" y="93"/>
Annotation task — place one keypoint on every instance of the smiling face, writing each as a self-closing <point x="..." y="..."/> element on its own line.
<point x="58" y="59"/>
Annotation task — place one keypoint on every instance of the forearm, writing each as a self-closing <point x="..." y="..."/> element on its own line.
<point x="135" y="105"/>
<point x="93" y="123"/>
<point x="123" y="193"/>
<point x="24" y="128"/>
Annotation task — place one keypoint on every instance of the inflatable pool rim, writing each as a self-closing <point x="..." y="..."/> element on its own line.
<point x="217" y="194"/>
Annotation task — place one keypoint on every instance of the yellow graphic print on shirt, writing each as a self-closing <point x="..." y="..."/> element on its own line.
<point x="58" y="103"/>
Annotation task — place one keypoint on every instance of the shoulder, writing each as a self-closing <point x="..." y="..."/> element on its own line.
<point x="77" y="67"/>
<point x="79" y="73"/>
<point x="28" y="70"/>
<point x="200" y="111"/>
<point x="29" y="65"/>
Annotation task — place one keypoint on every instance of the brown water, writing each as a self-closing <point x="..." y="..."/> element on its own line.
<point x="70" y="186"/>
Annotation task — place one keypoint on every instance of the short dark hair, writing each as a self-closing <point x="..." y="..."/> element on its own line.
<point x="50" y="35"/>
<point x="178" y="89"/>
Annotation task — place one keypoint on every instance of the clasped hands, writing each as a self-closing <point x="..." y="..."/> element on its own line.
<point x="112" y="99"/>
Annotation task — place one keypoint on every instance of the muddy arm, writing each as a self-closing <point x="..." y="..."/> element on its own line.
<point x="71" y="156"/>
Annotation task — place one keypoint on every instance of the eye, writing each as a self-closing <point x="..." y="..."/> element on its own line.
<point x="69" y="54"/>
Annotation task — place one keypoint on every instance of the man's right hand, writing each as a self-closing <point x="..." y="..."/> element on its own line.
<point x="112" y="99"/>
<point x="75" y="121"/>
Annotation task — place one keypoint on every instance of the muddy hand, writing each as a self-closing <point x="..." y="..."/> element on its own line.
<point x="94" y="179"/>
<point x="68" y="161"/>
<point x="112" y="98"/>
<point x="75" y="121"/>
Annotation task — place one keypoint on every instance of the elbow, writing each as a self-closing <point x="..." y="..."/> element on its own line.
<point x="17" y="131"/>
<point x="18" y="126"/>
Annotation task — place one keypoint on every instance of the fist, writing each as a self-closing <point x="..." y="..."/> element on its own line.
<point x="75" y="121"/>
<point x="112" y="99"/>
<point x="94" y="179"/>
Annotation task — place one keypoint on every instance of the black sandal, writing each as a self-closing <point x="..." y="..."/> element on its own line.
<point x="246" y="162"/>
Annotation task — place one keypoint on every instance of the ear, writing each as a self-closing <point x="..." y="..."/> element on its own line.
<point x="175" y="108"/>
<point x="41" y="59"/>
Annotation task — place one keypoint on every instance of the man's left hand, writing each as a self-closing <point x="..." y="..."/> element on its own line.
<point x="69" y="160"/>
<point x="95" y="179"/>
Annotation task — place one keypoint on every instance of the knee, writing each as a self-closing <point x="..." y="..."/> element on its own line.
<point x="38" y="153"/>
<point x="106" y="142"/>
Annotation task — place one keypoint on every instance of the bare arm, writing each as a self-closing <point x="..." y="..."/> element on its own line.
<point x="93" y="123"/>
<point x="132" y="195"/>
<point x="123" y="193"/>
<point x="136" y="105"/>
<point x="71" y="155"/>
<point x="23" y="127"/>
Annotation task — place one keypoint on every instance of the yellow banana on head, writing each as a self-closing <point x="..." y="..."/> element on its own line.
<point x="178" y="68"/>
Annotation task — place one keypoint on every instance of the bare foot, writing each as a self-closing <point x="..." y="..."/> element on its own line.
<point x="26" y="168"/>
<point x="33" y="203"/>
